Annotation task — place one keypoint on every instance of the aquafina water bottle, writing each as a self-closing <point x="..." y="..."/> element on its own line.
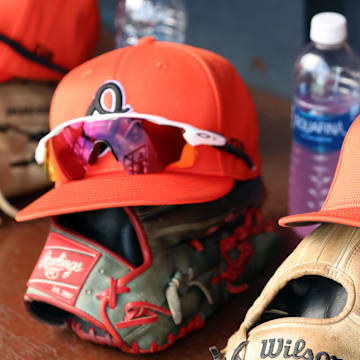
<point x="165" y="20"/>
<point x="326" y="101"/>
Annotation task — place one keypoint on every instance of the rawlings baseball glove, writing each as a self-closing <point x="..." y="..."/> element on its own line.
<point x="140" y="278"/>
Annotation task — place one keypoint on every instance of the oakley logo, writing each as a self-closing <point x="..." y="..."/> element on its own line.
<point x="203" y="135"/>
<point x="273" y="348"/>
<point x="109" y="98"/>
<point x="53" y="266"/>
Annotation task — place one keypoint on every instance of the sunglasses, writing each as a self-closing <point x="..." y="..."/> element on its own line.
<point x="142" y="143"/>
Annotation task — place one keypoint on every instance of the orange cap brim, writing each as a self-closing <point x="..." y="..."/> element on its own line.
<point x="345" y="216"/>
<point x="5" y="77"/>
<point x="115" y="190"/>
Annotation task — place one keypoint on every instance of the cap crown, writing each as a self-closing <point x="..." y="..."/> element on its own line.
<point x="179" y="82"/>
<point x="63" y="32"/>
<point x="344" y="191"/>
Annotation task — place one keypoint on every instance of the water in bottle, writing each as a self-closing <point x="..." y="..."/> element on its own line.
<point x="326" y="101"/>
<point x="164" y="19"/>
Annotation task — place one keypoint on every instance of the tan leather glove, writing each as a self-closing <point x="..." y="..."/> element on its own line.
<point x="309" y="309"/>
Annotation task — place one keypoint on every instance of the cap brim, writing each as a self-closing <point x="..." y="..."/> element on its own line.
<point x="114" y="190"/>
<point x="5" y="77"/>
<point x="345" y="216"/>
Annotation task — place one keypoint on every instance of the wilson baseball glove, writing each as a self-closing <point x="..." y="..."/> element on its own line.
<point x="140" y="278"/>
<point x="309" y="309"/>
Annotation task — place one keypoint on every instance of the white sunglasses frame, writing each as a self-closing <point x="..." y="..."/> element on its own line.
<point x="193" y="135"/>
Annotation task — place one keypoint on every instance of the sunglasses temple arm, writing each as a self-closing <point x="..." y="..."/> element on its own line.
<point x="40" y="149"/>
<point x="238" y="153"/>
<point x="40" y="152"/>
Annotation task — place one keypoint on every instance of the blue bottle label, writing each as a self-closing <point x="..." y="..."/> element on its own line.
<point x="319" y="131"/>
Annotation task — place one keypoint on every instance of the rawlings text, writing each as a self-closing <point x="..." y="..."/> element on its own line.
<point x="53" y="266"/>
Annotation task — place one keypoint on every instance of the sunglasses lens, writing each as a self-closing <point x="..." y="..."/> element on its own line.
<point x="140" y="146"/>
<point x="72" y="150"/>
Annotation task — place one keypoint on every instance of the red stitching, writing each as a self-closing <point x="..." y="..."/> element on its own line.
<point x="135" y="347"/>
<point x="101" y="340"/>
<point x="253" y="224"/>
<point x="139" y="313"/>
<point x="109" y="327"/>
<point x="154" y="347"/>
<point x="171" y="338"/>
<point x="197" y="245"/>
<point x="212" y="230"/>
<point x="196" y="323"/>
<point x="112" y="294"/>
<point x="112" y="291"/>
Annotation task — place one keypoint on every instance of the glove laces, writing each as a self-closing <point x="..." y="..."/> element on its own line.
<point x="6" y="207"/>
<point x="172" y="295"/>
<point x="237" y="251"/>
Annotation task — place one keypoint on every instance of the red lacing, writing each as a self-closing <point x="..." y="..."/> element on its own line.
<point x="197" y="245"/>
<point x="139" y="313"/>
<point x="112" y="291"/>
<point x="253" y="223"/>
<point x="136" y="313"/>
<point x="196" y="323"/>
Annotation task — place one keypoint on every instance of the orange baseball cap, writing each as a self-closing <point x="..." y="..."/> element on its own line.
<point x="342" y="204"/>
<point x="42" y="40"/>
<point x="175" y="81"/>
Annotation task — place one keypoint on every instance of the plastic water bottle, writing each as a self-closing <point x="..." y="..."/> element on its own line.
<point x="326" y="101"/>
<point x="166" y="20"/>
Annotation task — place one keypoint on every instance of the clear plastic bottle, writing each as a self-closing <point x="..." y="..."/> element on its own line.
<point x="166" y="20"/>
<point x="326" y="101"/>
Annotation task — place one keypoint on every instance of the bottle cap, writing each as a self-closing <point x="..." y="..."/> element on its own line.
<point x="328" y="28"/>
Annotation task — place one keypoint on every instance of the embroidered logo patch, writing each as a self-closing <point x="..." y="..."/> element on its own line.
<point x="55" y="266"/>
<point x="109" y="98"/>
<point x="63" y="268"/>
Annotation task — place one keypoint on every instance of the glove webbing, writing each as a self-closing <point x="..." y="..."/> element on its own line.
<point x="253" y="224"/>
